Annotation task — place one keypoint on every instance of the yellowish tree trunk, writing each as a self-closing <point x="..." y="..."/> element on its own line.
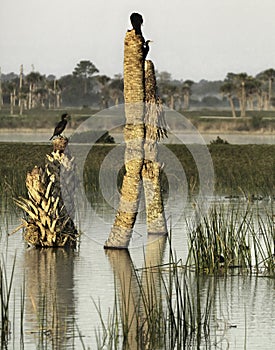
<point x="134" y="139"/>
<point x="20" y="94"/>
<point x="156" y="223"/>
<point x="144" y="127"/>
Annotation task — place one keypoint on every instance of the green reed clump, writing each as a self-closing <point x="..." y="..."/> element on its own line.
<point x="228" y="238"/>
<point x="220" y="240"/>
<point x="5" y="294"/>
<point x="187" y="304"/>
<point x="263" y="238"/>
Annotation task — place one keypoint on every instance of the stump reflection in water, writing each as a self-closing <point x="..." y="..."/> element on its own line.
<point x="140" y="298"/>
<point x="50" y="300"/>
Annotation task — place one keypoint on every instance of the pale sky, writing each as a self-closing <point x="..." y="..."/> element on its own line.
<point x="193" y="39"/>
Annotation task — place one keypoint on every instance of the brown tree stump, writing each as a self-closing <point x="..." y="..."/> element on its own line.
<point x="50" y="207"/>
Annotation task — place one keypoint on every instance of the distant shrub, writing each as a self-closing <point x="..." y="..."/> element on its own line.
<point x="219" y="141"/>
<point x="88" y="136"/>
<point x="257" y="122"/>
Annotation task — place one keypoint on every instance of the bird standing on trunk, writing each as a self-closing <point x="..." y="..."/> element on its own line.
<point x="61" y="125"/>
<point x="137" y="21"/>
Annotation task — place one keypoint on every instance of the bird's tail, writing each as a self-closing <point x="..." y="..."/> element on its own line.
<point x="51" y="137"/>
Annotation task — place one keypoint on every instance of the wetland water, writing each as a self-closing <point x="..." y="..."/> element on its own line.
<point x="241" y="139"/>
<point x="58" y="290"/>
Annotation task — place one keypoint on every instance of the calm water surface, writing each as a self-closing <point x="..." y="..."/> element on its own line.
<point x="65" y="285"/>
<point x="240" y="139"/>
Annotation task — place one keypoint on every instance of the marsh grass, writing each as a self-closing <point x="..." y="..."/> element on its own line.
<point x="230" y="238"/>
<point x="239" y="169"/>
<point x="219" y="241"/>
<point x="5" y="294"/>
<point x="263" y="238"/>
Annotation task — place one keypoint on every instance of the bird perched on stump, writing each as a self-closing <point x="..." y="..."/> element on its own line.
<point x="146" y="48"/>
<point x="61" y="125"/>
<point x="136" y="20"/>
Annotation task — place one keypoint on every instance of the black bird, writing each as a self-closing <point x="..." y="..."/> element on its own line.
<point x="146" y="48"/>
<point x="136" y="20"/>
<point x="61" y="125"/>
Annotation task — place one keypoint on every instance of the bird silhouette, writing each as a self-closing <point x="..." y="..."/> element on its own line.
<point x="61" y="125"/>
<point x="146" y="48"/>
<point x="136" y="20"/>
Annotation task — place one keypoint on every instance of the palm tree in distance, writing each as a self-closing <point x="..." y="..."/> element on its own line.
<point x="85" y="70"/>
<point x="228" y="90"/>
<point x="186" y="90"/>
<point x="267" y="76"/>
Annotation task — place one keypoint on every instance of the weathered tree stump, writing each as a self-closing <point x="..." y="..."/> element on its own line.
<point x="144" y="127"/>
<point x="134" y="132"/>
<point x="155" y="129"/>
<point x="50" y="204"/>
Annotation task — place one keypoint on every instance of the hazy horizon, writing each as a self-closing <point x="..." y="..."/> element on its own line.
<point x="192" y="39"/>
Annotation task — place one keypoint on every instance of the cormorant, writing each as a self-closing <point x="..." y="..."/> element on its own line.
<point x="136" y="20"/>
<point x="61" y="125"/>
<point x="146" y="48"/>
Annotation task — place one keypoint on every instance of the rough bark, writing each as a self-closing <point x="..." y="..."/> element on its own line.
<point x="50" y="203"/>
<point x="155" y="129"/>
<point x="134" y="139"/>
<point x="145" y="125"/>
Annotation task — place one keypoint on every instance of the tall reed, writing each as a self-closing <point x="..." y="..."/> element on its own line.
<point x="5" y="294"/>
<point x="228" y="238"/>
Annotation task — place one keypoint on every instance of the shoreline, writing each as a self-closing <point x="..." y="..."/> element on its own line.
<point x="205" y="132"/>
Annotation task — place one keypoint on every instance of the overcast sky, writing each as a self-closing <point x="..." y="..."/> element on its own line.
<point x="193" y="39"/>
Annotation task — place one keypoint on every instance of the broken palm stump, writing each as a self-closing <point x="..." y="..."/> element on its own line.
<point x="134" y="132"/>
<point x="50" y="204"/>
<point x="144" y="127"/>
<point x="155" y="129"/>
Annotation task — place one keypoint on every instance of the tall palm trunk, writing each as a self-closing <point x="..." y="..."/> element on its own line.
<point x="20" y="102"/>
<point x="230" y="99"/>
<point x="134" y="139"/>
<point x="243" y="100"/>
<point x="156" y="222"/>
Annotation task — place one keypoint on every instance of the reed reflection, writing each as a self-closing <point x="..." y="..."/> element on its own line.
<point x="50" y="305"/>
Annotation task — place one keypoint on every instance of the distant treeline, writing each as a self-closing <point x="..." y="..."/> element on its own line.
<point x="86" y="87"/>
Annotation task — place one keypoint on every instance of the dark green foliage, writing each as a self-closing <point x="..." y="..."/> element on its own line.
<point x="219" y="141"/>
<point x="92" y="136"/>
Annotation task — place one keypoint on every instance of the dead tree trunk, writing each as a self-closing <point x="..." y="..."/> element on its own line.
<point x="50" y="204"/>
<point x="134" y="139"/>
<point x="20" y="97"/>
<point x="155" y="129"/>
<point x="141" y="155"/>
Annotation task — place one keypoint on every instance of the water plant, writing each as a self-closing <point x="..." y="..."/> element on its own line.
<point x="5" y="294"/>
<point x="219" y="240"/>
<point x="229" y="237"/>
